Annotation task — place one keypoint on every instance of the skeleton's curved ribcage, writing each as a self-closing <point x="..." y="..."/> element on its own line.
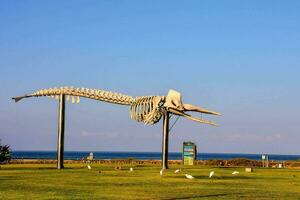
<point x="147" y="109"/>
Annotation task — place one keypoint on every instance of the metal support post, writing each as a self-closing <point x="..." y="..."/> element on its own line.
<point x="165" y="142"/>
<point x="61" y="132"/>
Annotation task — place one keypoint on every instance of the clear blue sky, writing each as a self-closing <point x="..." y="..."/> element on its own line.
<point x="241" y="58"/>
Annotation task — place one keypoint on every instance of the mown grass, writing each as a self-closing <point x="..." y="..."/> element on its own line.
<point x="42" y="181"/>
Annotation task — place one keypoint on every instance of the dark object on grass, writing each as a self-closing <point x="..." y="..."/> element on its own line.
<point x="5" y="154"/>
<point x="99" y="171"/>
<point x="118" y="168"/>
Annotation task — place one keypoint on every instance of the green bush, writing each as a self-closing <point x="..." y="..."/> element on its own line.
<point x="5" y="154"/>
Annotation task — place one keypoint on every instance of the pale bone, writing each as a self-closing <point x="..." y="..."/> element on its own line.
<point x="147" y="109"/>
<point x="189" y="107"/>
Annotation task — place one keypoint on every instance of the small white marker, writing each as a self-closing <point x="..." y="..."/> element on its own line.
<point x="189" y="176"/>
<point x="211" y="174"/>
<point x="161" y="172"/>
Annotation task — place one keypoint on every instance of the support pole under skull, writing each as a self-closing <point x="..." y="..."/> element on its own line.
<point x="165" y="142"/>
<point x="61" y="132"/>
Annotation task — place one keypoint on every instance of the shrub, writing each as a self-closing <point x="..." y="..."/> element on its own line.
<point x="5" y="153"/>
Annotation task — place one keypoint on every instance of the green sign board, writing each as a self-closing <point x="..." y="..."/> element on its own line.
<point x="189" y="153"/>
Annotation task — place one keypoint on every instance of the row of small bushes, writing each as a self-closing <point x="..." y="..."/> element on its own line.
<point x="238" y="162"/>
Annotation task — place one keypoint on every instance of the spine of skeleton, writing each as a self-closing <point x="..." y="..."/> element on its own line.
<point x="74" y="94"/>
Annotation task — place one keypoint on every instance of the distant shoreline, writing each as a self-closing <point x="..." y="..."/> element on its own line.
<point x="155" y="152"/>
<point x="108" y="155"/>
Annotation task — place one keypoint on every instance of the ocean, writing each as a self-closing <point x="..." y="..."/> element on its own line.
<point x="77" y="155"/>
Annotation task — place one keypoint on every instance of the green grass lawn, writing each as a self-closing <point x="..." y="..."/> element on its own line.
<point x="42" y="181"/>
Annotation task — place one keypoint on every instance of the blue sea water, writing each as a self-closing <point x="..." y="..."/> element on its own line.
<point x="74" y="155"/>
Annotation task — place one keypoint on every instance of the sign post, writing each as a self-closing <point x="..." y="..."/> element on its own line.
<point x="189" y="154"/>
<point x="265" y="160"/>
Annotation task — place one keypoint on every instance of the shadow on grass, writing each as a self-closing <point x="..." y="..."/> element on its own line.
<point x="235" y="177"/>
<point x="25" y="168"/>
<point x="201" y="196"/>
<point x="11" y="178"/>
<point x="216" y="177"/>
